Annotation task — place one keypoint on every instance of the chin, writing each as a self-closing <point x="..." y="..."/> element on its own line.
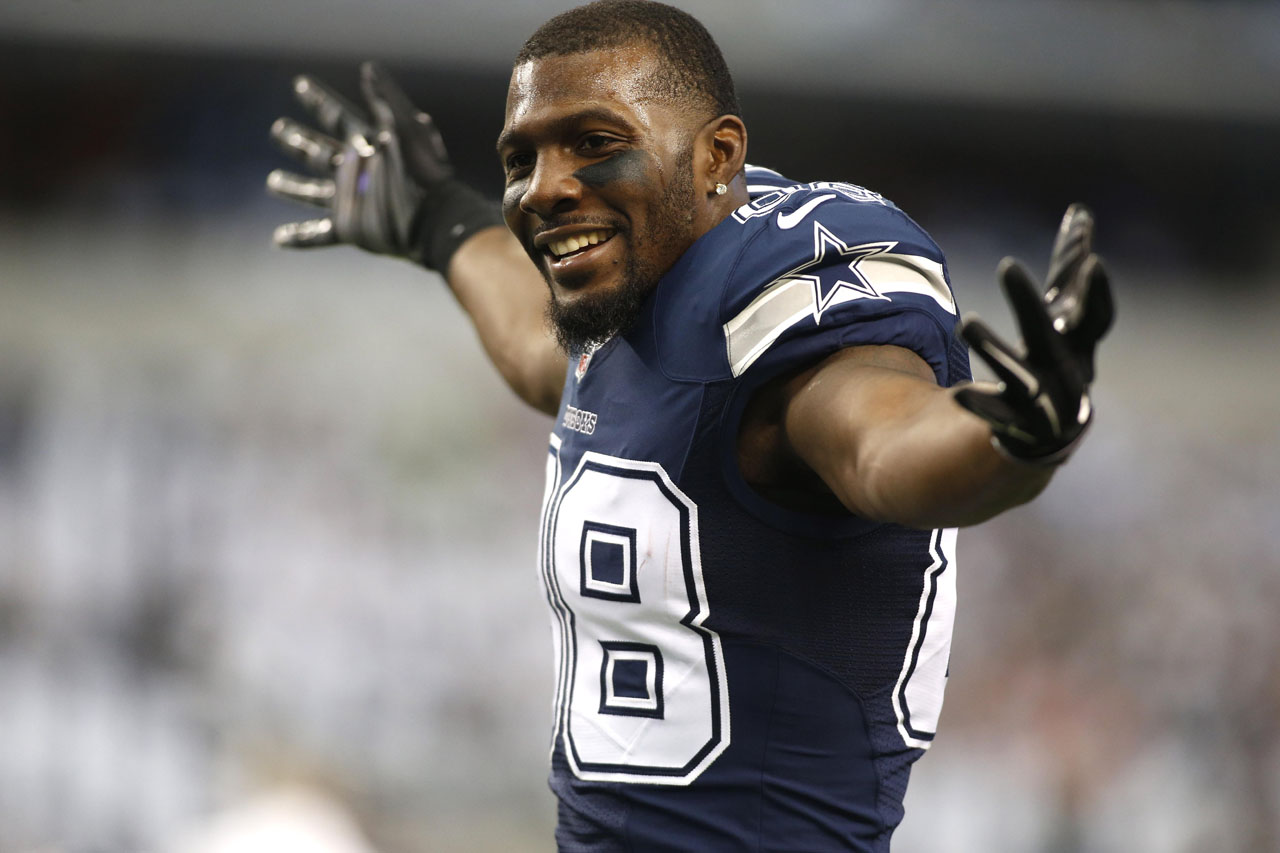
<point x="590" y="312"/>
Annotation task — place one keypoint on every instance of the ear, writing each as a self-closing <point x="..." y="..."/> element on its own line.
<point x="721" y="151"/>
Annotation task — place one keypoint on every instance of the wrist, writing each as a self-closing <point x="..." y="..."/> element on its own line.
<point x="450" y="214"/>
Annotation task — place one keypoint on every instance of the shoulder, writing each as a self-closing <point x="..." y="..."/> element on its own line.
<point x="797" y="265"/>
<point x="829" y="264"/>
<point x="802" y="229"/>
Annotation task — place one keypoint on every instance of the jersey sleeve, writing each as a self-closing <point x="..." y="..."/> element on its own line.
<point x="835" y="266"/>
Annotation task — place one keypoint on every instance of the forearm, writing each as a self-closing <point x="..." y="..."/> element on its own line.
<point x="894" y="447"/>
<point x="500" y="289"/>
<point x="936" y="467"/>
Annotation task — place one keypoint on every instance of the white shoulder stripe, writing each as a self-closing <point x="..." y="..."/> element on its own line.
<point x="892" y="273"/>
<point x="792" y="298"/>
<point x="783" y="304"/>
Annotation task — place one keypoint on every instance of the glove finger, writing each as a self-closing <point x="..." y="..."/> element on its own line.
<point x="1098" y="310"/>
<point x="986" y="404"/>
<point x="315" y="149"/>
<point x="1007" y="365"/>
<point x="1029" y="309"/>
<point x="376" y="85"/>
<point x="422" y="145"/>
<point x="305" y="235"/>
<point x="381" y="90"/>
<point x="1071" y="249"/>
<point x="287" y="185"/>
<point x="336" y="114"/>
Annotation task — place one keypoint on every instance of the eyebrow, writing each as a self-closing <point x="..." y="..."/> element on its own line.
<point x="559" y="125"/>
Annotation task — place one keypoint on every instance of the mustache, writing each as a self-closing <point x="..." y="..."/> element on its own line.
<point x="562" y="221"/>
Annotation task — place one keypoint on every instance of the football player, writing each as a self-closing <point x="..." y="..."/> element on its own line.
<point x="765" y="430"/>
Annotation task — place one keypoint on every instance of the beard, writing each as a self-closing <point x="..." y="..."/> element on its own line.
<point x="593" y="318"/>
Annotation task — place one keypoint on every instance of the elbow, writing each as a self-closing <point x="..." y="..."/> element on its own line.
<point x="541" y="397"/>
<point x="864" y="484"/>
<point x="533" y="379"/>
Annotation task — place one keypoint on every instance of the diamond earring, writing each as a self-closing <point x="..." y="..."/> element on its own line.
<point x="721" y="189"/>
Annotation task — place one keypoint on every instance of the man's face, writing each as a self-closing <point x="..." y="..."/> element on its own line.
<point x="599" y="184"/>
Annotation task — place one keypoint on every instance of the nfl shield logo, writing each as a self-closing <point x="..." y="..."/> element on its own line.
<point x="583" y="361"/>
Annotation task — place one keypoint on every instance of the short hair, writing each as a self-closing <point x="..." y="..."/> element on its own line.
<point x="692" y="65"/>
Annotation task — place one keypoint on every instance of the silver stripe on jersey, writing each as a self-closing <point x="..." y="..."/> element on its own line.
<point x="790" y="298"/>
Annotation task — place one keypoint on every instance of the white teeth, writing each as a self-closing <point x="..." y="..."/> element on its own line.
<point x="568" y="245"/>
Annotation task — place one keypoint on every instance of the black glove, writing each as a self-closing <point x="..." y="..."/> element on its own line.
<point x="1041" y="407"/>
<point x="388" y="183"/>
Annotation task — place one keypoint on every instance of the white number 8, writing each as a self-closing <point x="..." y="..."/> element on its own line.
<point x="641" y="694"/>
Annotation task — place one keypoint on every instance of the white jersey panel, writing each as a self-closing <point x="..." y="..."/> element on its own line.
<point x="917" y="698"/>
<point x="646" y="698"/>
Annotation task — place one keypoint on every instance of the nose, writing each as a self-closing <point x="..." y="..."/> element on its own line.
<point x="552" y="188"/>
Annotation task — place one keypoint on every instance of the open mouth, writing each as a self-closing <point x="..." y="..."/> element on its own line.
<point x="577" y="244"/>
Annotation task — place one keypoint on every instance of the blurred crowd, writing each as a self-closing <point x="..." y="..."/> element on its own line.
<point x="267" y="532"/>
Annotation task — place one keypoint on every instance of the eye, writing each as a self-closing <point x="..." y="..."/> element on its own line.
<point x="597" y="144"/>
<point x="517" y="162"/>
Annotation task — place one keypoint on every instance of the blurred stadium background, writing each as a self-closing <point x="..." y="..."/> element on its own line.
<point x="267" y="520"/>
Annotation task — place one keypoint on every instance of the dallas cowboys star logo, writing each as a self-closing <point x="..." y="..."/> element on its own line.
<point x="827" y="250"/>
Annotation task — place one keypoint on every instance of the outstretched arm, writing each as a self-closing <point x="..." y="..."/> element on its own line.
<point x="386" y="185"/>
<point x="497" y="285"/>
<point x="893" y="446"/>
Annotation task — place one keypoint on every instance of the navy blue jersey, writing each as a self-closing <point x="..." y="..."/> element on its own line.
<point x="732" y="674"/>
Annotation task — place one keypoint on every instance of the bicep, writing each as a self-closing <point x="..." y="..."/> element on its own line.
<point x="840" y="415"/>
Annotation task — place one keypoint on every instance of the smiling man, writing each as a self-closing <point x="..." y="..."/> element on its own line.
<point x="765" y="435"/>
<point x="626" y="139"/>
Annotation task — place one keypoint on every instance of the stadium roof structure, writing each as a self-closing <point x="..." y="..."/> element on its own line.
<point x="1177" y="58"/>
